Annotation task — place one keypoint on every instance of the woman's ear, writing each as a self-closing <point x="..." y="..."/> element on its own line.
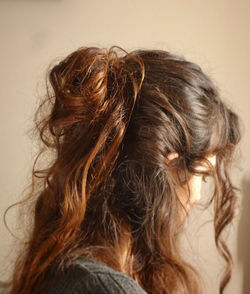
<point x="171" y="155"/>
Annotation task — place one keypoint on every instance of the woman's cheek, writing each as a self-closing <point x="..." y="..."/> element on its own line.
<point x="195" y="186"/>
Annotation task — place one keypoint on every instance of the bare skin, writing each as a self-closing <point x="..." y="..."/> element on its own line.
<point x="194" y="184"/>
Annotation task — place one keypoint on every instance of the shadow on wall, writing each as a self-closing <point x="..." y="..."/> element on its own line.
<point x="244" y="235"/>
<point x="4" y="289"/>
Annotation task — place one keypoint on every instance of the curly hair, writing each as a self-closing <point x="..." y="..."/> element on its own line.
<point x="108" y="120"/>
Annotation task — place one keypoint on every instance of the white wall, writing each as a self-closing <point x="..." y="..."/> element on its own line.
<point x="213" y="33"/>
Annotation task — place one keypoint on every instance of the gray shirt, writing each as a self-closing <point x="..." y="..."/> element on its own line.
<point x="87" y="275"/>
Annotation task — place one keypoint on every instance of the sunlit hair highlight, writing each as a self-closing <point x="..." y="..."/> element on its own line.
<point x="109" y="119"/>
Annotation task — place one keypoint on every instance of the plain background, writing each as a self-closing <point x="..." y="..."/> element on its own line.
<point x="215" y="34"/>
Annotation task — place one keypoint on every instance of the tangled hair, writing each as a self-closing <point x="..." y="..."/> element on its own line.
<point x="108" y="192"/>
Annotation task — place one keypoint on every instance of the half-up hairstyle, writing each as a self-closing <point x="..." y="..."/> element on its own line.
<point x="109" y="119"/>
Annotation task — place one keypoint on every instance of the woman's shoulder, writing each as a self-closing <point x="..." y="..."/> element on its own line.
<point x="87" y="275"/>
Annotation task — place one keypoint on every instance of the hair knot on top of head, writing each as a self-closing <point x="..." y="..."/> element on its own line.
<point x="90" y="83"/>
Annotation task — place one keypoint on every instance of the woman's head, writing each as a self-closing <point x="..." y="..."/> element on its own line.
<point x="129" y="133"/>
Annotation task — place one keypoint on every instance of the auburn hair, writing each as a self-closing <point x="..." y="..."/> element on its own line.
<point x="106" y="123"/>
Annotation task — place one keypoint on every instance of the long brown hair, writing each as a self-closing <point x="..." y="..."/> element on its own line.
<point x="109" y="119"/>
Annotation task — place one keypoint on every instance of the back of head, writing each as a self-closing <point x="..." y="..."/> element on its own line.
<point x="110" y="118"/>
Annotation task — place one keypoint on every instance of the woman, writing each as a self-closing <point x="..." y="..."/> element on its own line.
<point x="131" y="135"/>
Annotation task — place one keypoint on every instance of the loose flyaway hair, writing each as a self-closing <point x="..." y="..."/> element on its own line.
<point x="108" y="121"/>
